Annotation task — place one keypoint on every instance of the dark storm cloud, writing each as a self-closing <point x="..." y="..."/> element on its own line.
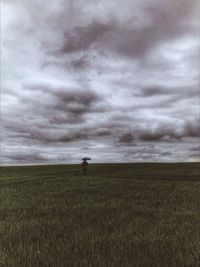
<point x="127" y="137"/>
<point x="80" y="63"/>
<point x="158" y="134"/>
<point x="182" y="92"/>
<point x="84" y="37"/>
<point x="120" y="80"/>
<point x="51" y="112"/>
<point x="26" y="157"/>
<point x="162" y="22"/>
<point x="62" y="105"/>
<point x="75" y="101"/>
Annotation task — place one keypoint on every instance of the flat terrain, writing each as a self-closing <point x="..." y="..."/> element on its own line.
<point x="117" y="215"/>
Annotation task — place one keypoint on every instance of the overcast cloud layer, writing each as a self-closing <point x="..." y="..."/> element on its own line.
<point x="114" y="80"/>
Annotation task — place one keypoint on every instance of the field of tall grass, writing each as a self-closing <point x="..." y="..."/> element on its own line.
<point x="117" y="215"/>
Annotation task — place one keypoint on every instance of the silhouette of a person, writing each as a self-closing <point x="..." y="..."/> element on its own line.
<point x="84" y="166"/>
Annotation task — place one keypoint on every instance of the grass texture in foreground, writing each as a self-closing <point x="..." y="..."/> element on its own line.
<point x="117" y="215"/>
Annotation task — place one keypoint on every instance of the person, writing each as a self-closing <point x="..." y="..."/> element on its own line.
<point x="84" y="166"/>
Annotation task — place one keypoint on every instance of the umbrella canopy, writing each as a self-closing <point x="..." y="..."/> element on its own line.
<point x="86" y="158"/>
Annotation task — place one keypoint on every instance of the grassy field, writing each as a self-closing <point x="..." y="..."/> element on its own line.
<point x="117" y="215"/>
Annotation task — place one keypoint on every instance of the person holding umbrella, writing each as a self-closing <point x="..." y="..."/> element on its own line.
<point x="84" y="165"/>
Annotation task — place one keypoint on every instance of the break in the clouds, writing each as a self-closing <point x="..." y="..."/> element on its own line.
<point x="116" y="81"/>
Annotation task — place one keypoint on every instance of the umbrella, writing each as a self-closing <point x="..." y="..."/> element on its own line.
<point x="86" y="158"/>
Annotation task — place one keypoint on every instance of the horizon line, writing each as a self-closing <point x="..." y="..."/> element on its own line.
<point x="53" y="164"/>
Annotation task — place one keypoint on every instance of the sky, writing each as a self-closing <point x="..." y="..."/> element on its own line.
<point x="117" y="81"/>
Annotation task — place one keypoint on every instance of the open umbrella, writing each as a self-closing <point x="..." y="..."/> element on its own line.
<point x="86" y="158"/>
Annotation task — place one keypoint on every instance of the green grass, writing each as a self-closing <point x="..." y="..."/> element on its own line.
<point x="117" y="215"/>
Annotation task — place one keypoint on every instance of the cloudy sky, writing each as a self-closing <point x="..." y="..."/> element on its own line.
<point x="114" y="80"/>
